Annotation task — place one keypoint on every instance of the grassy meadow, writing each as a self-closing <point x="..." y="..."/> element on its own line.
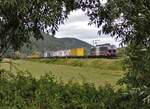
<point x="97" y="71"/>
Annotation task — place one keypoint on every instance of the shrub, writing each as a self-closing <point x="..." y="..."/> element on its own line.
<point x="22" y="91"/>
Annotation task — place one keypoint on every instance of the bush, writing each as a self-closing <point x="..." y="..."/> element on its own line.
<point x="22" y="91"/>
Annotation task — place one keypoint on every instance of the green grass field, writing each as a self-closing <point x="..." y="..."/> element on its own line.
<point x="97" y="71"/>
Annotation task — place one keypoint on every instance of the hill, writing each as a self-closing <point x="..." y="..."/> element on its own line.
<point x="52" y="43"/>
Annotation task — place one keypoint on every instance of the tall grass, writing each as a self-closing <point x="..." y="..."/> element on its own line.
<point x="105" y="64"/>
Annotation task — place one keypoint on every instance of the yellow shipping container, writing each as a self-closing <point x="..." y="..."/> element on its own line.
<point x="34" y="55"/>
<point x="77" y="52"/>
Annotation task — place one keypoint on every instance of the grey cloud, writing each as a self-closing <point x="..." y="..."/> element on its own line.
<point x="77" y="27"/>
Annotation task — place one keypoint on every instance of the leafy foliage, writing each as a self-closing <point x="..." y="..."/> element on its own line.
<point x="137" y="66"/>
<point x="20" y="19"/>
<point x="128" y="20"/>
<point x="22" y="91"/>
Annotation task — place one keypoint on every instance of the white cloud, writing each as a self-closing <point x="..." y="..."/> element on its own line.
<point x="77" y="27"/>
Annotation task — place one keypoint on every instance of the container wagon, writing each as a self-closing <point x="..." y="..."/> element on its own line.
<point x="104" y="50"/>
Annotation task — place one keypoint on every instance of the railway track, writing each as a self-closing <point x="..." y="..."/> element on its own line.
<point x="74" y="57"/>
<point x="82" y="57"/>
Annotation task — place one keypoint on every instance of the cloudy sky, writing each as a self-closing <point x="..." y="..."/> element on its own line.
<point x="77" y="27"/>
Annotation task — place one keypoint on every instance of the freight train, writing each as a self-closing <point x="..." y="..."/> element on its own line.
<point x="104" y="50"/>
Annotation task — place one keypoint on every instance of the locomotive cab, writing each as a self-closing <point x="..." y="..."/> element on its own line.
<point x="106" y="50"/>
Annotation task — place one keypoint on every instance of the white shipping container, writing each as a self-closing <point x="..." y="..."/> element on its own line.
<point x="59" y="53"/>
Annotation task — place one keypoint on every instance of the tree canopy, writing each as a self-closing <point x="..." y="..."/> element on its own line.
<point x="21" y="18"/>
<point x="128" y="20"/>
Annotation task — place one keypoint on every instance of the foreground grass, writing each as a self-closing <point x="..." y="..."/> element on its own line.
<point x="99" y="72"/>
<point x="104" y="64"/>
